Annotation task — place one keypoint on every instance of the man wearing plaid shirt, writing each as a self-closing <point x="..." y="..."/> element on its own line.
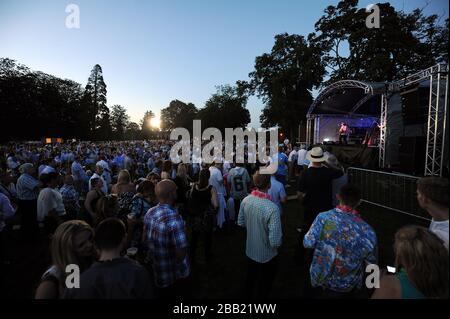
<point x="167" y="242"/>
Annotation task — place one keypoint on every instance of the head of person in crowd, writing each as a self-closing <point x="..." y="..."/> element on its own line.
<point x="147" y="189"/>
<point x="110" y="238"/>
<point x="72" y="243"/>
<point x="349" y="195"/>
<point x="27" y="168"/>
<point x="424" y="258"/>
<point x="167" y="166"/>
<point x="124" y="177"/>
<point x="68" y="180"/>
<point x="432" y="195"/>
<point x="261" y="181"/>
<point x="99" y="169"/>
<point x="203" y="178"/>
<point x="96" y="184"/>
<point x="6" y="177"/>
<point x="333" y="162"/>
<point x="159" y="164"/>
<point x="106" y="207"/>
<point x="154" y="178"/>
<point x="317" y="156"/>
<point x="182" y="170"/>
<point x="50" y="180"/>
<point x="166" y="192"/>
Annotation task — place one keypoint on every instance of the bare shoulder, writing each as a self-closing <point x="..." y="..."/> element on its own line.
<point x="47" y="290"/>
<point x="389" y="288"/>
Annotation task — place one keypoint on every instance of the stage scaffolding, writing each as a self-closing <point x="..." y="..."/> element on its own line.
<point x="436" y="121"/>
<point x="437" y="114"/>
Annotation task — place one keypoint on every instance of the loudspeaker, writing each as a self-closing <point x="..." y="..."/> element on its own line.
<point x="414" y="105"/>
<point x="412" y="154"/>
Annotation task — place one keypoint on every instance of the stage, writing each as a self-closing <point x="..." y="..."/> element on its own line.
<point x="355" y="155"/>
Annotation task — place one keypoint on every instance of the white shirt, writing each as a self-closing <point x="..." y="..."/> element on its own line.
<point x="301" y="156"/>
<point x="48" y="200"/>
<point x="216" y="180"/>
<point x="291" y="155"/>
<point x="105" y="185"/>
<point x="441" y="230"/>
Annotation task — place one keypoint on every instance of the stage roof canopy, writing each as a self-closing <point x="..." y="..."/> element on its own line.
<point x="349" y="98"/>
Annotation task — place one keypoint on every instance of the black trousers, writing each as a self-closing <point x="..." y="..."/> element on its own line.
<point x="28" y="212"/>
<point x="343" y="139"/>
<point x="206" y="237"/>
<point x="260" y="278"/>
<point x="237" y="207"/>
<point x="178" y="290"/>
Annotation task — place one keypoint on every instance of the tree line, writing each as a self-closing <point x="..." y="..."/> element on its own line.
<point x="35" y="104"/>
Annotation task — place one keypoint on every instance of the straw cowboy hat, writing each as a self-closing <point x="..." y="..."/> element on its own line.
<point x="317" y="155"/>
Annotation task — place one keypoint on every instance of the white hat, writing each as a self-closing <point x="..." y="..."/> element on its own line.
<point x="317" y="155"/>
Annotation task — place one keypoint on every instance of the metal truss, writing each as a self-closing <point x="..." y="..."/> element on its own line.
<point x="383" y="132"/>
<point x="345" y="84"/>
<point x="436" y="123"/>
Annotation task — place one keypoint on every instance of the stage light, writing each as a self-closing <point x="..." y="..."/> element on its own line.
<point x="326" y="139"/>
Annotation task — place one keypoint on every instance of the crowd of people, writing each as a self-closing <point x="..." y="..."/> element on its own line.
<point x="133" y="222"/>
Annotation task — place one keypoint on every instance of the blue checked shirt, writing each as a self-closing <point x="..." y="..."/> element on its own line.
<point x="165" y="234"/>
<point x="27" y="187"/>
<point x="261" y="217"/>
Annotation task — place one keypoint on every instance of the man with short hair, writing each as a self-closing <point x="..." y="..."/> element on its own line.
<point x="343" y="245"/>
<point x="27" y="193"/>
<point x="71" y="197"/>
<point x="282" y="170"/>
<point x="50" y="205"/>
<point x="113" y="276"/>
<point x="99" y="174"/>
<point x="166" y="238"/>
<point x="277" y="193"/>
<point x="239" y="182"/>
<point x="261" y="218"/>
<point x="292" y="160"/>
<point x="432" y="195"/>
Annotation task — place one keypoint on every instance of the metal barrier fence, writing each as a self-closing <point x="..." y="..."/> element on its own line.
<point x="396" y="192"/>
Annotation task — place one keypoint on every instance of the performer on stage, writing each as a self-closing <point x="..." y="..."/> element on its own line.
<point x="344" y="132"/>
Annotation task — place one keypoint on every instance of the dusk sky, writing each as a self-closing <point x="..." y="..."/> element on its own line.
<point x="153" y="52"/>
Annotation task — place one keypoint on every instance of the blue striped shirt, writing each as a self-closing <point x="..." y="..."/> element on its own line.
<point x="262" y="219"/>
<point x="27" y="187"/>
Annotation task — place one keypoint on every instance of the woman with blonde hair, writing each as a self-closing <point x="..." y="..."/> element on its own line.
<point x="72" y="243"/>
<point x="422" y="264"/>
<point x="124" y="190"/>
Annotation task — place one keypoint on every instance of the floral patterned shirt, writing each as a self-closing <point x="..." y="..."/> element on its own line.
<point x="343" y="244"/>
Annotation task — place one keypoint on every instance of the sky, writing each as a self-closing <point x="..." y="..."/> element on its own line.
<point x="155" y="51"/>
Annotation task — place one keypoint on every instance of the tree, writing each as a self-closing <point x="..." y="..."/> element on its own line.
<point x="37" y="104"/>
<point x="133" y="131"/>
<point x="146" y="124"/>
<point x="178" y="114"/>
<point x="225" y="109"/>
<point x="96" y="94"/>
<point x="119" y="121"/>
<point x="404" y="43"/>
<point x="284" y="79"/>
